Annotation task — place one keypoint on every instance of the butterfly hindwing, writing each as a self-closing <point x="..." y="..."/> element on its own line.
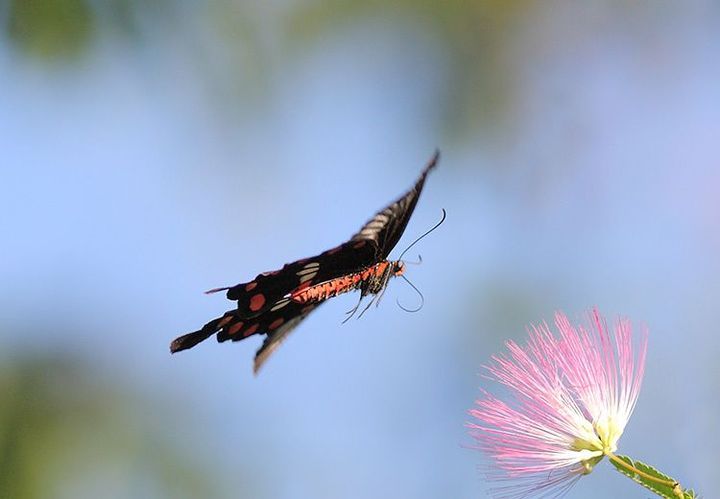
<point x="277" y="323"/>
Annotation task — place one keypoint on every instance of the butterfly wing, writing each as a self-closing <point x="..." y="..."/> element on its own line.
<point x="388" y="225"/>
<point x="370" y="245"/>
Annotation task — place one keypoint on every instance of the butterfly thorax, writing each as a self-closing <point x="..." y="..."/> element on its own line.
<point x="370" y="281"/>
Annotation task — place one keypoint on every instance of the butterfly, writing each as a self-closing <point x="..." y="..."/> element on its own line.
<point x="274" y="303"/>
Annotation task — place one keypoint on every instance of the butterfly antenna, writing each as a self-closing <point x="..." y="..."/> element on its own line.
<point x="422" y="298"/>
<point x="444" y="215"/>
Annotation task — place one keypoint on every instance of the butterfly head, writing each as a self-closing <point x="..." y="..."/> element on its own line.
<point x="398" y="268"/>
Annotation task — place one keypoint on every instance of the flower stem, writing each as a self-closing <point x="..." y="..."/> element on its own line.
<point x="676" y="488"/>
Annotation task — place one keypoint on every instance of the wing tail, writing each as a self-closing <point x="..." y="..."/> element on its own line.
<point x="228" y="322"/>
<point x="189" y="340"/>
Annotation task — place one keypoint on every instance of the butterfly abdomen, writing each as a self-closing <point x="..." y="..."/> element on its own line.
<point x="371" y="279"/>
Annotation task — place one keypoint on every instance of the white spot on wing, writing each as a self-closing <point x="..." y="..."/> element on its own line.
<point x="280" y="304"/>
<point x="310" y="268"/>
<point x="307" y="277"/>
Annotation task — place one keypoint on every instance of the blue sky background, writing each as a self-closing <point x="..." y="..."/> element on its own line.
<point x="182" y="146"/>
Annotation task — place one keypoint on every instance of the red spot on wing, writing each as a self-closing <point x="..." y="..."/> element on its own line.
<point x="257" y="301"/>
<point x="250" y="286"/>
<point x="235" y="328"/>
<point x="276" y="323"/>
<point x="251" y="330"/>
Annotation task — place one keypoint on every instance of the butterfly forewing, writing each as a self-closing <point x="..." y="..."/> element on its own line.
<point x="388" y="225"/>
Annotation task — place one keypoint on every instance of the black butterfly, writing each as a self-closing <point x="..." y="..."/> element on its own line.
<point x="274" y="303"/>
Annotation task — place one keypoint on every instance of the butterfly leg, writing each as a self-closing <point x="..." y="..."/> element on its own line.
<point x="380" y="295"/>
<point x="373" y="300"/>
<point x="352" y="311"/>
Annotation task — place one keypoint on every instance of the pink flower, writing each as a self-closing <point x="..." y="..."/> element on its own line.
<point x="570" y="397"/>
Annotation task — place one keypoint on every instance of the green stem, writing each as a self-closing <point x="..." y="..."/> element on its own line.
<point x="677" y="489"/>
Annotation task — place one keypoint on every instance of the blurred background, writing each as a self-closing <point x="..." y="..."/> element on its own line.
<point x="151" y="150"/>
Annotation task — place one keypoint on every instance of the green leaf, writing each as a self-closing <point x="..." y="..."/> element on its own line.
<point x="652" y="479"/>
